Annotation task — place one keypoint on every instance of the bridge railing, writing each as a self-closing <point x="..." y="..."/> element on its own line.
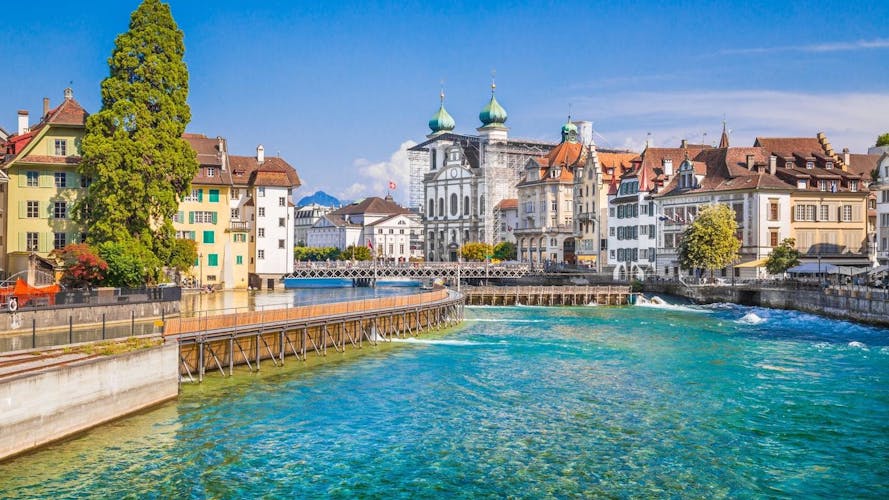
<point x="237" y="318"/>
<point x="346" y="264"/>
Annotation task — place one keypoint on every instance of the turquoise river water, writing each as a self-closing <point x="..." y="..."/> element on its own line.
<point x="684" y="402"/>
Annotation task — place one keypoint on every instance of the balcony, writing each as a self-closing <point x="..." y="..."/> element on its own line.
<point x="239" y="227"/>
<point x="586" y="216"/>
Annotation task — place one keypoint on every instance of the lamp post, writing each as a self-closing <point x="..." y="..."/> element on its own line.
<point x="200" y="270"/>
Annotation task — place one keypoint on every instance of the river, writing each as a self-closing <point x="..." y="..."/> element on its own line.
<point x="682" y="401"/>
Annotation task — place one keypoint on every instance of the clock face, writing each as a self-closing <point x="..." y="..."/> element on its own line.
<point x="453" y="173"/>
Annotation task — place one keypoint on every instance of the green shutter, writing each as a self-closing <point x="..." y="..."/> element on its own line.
<point x="200" y="195"/>
<point x="213" y="260"/>
<point x="209" y="237"/>
<point x="239" y="259"/>
<point x="72" y="180"/>
<point x="45" y="180"/>
<point x="44" y="242"/>
<point x="191" y="217"/>
<point x="213" y="217"/>
<point x="214" y="196"/>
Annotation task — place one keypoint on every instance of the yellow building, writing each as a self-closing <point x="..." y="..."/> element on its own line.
<point x="42" y="184"/>
<point x="210" y="216"/>
<point x="829" y="202"/>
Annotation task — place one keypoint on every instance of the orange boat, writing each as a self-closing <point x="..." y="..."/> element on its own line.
<point x="20" y="294"/>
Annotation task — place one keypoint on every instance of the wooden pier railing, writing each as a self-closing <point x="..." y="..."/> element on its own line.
<point x="548" y="295"/>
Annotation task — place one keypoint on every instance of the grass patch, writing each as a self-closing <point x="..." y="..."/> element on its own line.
<point x="111" y="347"/>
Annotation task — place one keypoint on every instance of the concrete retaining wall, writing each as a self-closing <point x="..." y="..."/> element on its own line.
<point x="40" y="407"/>
<point x="854" y="305"/>
<point x="56" y="318"/>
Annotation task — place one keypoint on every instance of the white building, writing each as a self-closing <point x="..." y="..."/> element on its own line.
<point x="306" y="217"/>
<point x="267" y="204"/>
<point x="881" y="191"/>
<point x="457" y="180"/>
<point x="390" y="237"/>
<point x="507" y="211"/>
<point x="379" y="223"/>
<point x="632" y="225"/>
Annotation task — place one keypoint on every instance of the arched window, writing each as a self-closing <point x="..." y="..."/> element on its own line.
<point x="481" y="205"/>
<point x="441" y="207"/>
<point x="431" y="207"/>
<point x="465" y="205"/>
<point x="454" y="204"/>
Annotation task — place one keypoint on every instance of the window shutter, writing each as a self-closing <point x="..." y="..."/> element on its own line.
<point x="49" y="209"/>
<point x="72" y="180"/>
<point x="45" y="180"/>
<point x="213" y="217"/>
<point x="22" y="241"/>
<point x="840" y="213"/>
<point x="23" y="210"/>
<point x="191" y="217"/>
<point x="200" y="195"/>
<point x="23" y="179"/>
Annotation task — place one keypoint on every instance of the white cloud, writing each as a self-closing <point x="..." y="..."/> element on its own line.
<point x="849" y="119"/>
<point x="373" y="177"/>
<point x="878" y="43"/>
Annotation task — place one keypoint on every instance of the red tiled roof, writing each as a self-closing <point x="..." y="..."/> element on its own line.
<point x="507" y="204"/>
<point x="250" y="167"/>
<point x="56" y="160"/>
<point x="372" y="205"/>
<point x="70" y="112"/>
<point x="863" y="164"/>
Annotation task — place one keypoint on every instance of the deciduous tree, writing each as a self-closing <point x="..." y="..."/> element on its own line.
<point x="475" y="251"/>
<point x="133" y="148"/>
<point x="355" y="252"/>
<point x="710" y="242"/>
<point x="505" y="250"/>
<point x="315" y="253"/>
<point x="883" y="140"/>
<point x="129" y="265"/>
<point x="783" y="257"/>
<point x="82" y="266"/>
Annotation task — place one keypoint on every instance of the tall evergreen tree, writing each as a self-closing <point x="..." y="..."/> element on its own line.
<point x="133" y="148"/>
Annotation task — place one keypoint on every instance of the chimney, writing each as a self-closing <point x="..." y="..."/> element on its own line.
<point x="668" y="167"/>
<point x="260" y="154"/>
<point x="684" y="144"/>
<point x="220" y="151"/>
<point x="45" y="106"/>
<point x="773" y="164"/>
<point x="846" y="157"/>
<point x="23" y="122"/>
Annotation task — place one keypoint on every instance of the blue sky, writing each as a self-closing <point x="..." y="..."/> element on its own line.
<point x="341" y="88"/>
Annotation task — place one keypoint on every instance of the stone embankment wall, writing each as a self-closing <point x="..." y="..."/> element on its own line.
<point x="851" y="304"/>
<point x="80" y="315"/>
<point x="47" y="405"/>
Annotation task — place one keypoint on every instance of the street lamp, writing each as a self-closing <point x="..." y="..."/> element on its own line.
<point x="200" y="270"/>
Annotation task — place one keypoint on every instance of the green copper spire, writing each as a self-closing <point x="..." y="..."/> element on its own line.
<point x="569" y="131"/>
<point x="493" y="114"/>
<point x="441" y="121"/>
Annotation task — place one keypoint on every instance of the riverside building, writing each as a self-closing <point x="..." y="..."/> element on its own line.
<point x="457" y="179"/>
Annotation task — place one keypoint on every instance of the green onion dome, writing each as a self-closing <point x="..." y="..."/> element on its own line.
<point x="569" y="131"/>
<point x="493" y="114"/>
<point x="441" y="121"/>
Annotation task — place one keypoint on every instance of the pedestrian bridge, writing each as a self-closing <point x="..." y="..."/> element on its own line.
<point x="411" y="270"/>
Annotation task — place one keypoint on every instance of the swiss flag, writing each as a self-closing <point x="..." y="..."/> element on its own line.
<point x="369" y="244"/>
<point x="391" y="185"/>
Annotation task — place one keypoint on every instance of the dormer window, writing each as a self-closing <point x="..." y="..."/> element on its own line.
<point x="61" y="147"/>
<point x="810" y="164"/>
<point x="454" y="156"/>
<point x="834" y="186"/>
<point x="555" y="172"/>
<point x="822" y="185"/>
<point x="853" y="186"/>
<point x="828" y="165"/>
<point x="788" y="164"/>
<point x="211" y="172"/>
<point x="801" y="184"/>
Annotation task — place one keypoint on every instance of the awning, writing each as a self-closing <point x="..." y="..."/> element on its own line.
<point x="586" y="258"/>
<point x="753" y="263"/>
<point x="813" y="268"/>
<point x="878" y="270"/>
<point x="850" y="271"/>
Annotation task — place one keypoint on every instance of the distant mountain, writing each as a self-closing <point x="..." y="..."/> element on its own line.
<point x="320" y="198"/>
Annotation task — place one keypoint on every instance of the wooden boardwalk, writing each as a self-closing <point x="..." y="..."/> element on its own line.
<point x="217" y="343"/>
<point x="548" y="295"/>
